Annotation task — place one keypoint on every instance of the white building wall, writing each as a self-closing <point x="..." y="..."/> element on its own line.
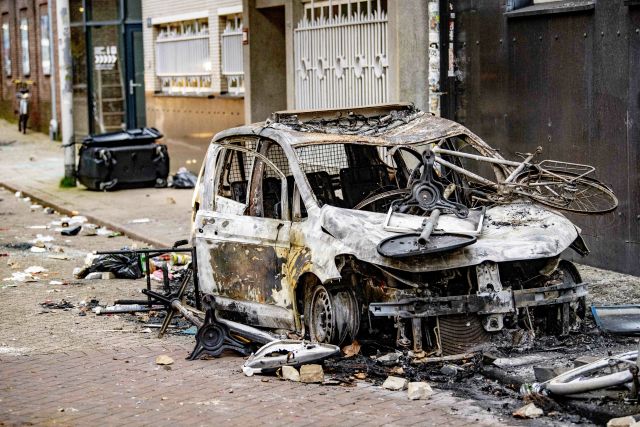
<point x="165" y="9"/>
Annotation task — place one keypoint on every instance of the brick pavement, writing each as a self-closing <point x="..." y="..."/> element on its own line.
<point x="117" y="386"/>
<point x="60" y="368"/>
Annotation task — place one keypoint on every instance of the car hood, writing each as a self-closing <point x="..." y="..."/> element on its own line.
<point x="517" y="231"/>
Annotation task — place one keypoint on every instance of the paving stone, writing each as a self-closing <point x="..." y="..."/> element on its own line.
<point x="290" y="373"/>
<point x="395" y="383"/>
<point x="419" y="390"/>
<point x="621" y="422"/>
<point x="311" y="373"/>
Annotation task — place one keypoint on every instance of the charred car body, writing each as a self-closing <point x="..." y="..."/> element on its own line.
<point x="336" y="224"/>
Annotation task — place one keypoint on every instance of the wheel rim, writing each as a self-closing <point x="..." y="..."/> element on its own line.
<point x="322" y="316"/>
<point x="333" y="316"/>
<point x="580" y="195"/>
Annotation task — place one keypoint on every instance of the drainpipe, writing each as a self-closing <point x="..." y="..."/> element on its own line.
<point x="53" y="123"/>
<point x="66" y="91"/>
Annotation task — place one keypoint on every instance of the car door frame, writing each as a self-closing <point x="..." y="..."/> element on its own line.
<point x="242" y="258"/>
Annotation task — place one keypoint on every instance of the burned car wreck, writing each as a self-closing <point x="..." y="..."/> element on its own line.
<point x="389" y="223"/>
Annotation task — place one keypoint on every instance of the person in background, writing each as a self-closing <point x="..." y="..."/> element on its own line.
<point x="23" y="109"/>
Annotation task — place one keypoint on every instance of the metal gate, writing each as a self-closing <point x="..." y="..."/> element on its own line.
<point x="232" y="64"/>
<point x="341" y="55"/>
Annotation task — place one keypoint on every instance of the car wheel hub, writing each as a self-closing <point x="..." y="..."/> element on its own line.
<point x="334" y="316"/>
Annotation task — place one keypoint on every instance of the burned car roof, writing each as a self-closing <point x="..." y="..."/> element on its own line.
<point x="396" y="124"/>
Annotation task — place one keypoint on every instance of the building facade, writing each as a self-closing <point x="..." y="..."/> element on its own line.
<point x="107" y="66"/>
<point x="27" y="58"/>
<point x="194" y="73"/>
<point x="307" y="54"/>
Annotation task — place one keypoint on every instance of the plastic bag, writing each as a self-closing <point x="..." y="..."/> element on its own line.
<point x="184" y="179"/>
<point x="123" y="266"/>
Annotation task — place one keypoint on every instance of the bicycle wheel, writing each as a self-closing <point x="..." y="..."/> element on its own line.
<point x="566" y="191"/>
<point x="608" y="372"/>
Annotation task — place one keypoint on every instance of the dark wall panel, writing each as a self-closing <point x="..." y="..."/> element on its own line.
<point x="567" y="82"/>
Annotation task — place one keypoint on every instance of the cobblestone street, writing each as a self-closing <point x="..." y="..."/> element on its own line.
<point x="58" y="367"/>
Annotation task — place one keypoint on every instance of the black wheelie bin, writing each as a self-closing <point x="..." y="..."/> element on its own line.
<point x="124" y="159"/>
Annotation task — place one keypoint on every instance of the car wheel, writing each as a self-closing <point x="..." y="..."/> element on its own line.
<point x="333" y="315"/>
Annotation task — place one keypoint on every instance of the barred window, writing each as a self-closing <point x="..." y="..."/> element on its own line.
<point x="45" y="43"/>
<point x="24" y="45"/>
<point x="232" y="56"/>
<point x="6" y="45"/>
<point x="183" y="58"/>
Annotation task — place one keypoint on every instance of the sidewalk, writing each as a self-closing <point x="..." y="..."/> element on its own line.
<point x="34" y="165"/>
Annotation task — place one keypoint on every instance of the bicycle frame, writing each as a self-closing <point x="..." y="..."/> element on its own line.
<point x="514" y="168"/>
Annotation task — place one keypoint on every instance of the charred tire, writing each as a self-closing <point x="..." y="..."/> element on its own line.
<point x="555" y="323"/>
<point x="333" y="315"/>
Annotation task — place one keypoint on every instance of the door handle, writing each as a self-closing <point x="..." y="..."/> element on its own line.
<point x="133" y="85"/>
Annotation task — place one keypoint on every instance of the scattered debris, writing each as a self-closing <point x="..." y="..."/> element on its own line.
<point x="88" y="229"/>
<point x="397" y="370"/>
<point x="388" y="359"/>
<point x="184" y="179"/>
<point x="360" y="375"/>
<point x="97" y="275"/>
<point x="122" y="265"/>
<point x="37" y="249"/>
<point x="528" y="411"/>
<point x="104" y="231"/>
<point x="290" y="373"/>
<point x="621" y="422"/>
<point x="20" y="276"/>
<point x="419" y="390"/>
<point x="40" y="238"/>
<point x="140" y="221"/>
<point x="450" y="370"/>
<point x="125" y="308"/>
<point x="163" y="359"/>
<point x="28" y="275"/>
<point x="71" y="231"/>
<point x="351" y="349"/>
<point x="19" y="246"/>
<point x="311" y="373"/>
<point x="395" y="383"/>
<point x="62" y="304"/>
<point x="276" y="354"/>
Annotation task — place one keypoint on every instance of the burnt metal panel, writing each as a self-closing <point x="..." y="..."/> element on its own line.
<point x="567" y="82"/>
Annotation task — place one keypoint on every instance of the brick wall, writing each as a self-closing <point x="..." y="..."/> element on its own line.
<point x="12" y="12"/>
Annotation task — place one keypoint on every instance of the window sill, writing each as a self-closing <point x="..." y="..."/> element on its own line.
<point x="231" y="95"/>
<point x="183" y="95"/>
<point x="564" y="6"/>
<point x="198" y="95"/>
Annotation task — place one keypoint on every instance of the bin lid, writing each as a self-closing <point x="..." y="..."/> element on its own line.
<point x="129" y="136"/>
